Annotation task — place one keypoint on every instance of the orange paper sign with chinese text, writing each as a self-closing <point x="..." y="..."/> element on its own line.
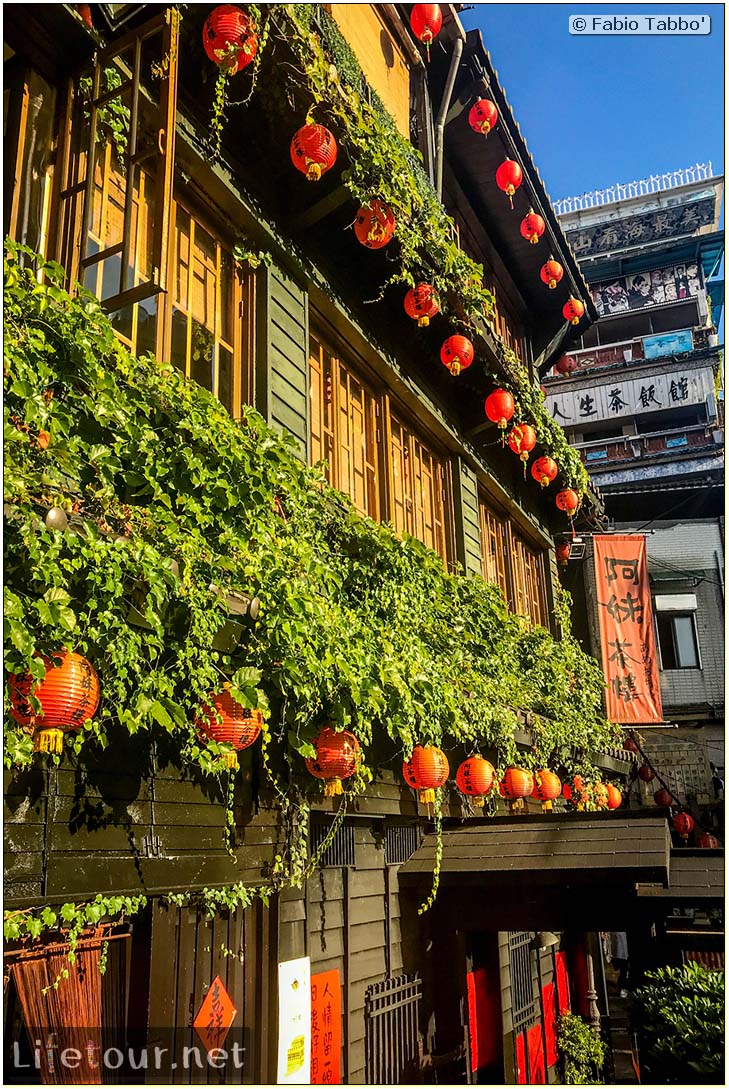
<point x="326" y="1028"/>
<point x="627" y="639"/>
<point x="215" y="1016"/>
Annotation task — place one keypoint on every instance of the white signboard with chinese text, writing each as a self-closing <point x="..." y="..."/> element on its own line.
<point x="294" y="1022"/>
<point x="629" y="397"/>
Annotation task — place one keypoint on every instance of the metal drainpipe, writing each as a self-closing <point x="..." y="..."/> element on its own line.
<point x="440" y="123"/>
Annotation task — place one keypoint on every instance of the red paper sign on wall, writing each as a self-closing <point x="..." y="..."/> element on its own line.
<point x="627" y="640"/>
<point x="326" y="1028"/>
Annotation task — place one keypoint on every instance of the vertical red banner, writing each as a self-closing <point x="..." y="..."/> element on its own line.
<point x="627" y="638"/>
<point x="326" y="1028"/>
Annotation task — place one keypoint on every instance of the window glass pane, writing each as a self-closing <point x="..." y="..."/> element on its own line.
<point x="123" y="322"/>
<point x="182" y="250"/>
<point x="225" y="380"/>
<point x="202" y="352"/>
<point x="226" y="297"/>
<point x="178" y="353"/>
<point x="34" y="192"/>
<point x="665" y="638"/>
<point x="146" y="326"/>
<point x="683" y="629"/>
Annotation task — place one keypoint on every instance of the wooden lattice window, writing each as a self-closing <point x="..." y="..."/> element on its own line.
<point x="344" y="427"/>
<point x="417" y="487"/>
<point x="29" y="133"/>
<point x="494" y="547"/>
<point x="206" y="340"/>
<point x="117" y="159"/>
<point x="513" y="565"/>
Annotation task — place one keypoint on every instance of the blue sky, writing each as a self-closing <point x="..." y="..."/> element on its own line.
<point x="599" y="110"/>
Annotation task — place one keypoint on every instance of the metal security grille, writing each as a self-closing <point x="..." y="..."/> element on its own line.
<point x="524" y="1003"/>
<point x="401" y="841"/>
<point x="391" y="1031"/>
<point x="340" y="852"/>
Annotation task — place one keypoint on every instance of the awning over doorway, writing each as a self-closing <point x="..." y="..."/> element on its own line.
<point x="575" y="845"/>
<point x="694" y="875"/>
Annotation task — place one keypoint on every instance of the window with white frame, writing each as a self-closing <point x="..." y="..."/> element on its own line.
<point x="676" y="630"/>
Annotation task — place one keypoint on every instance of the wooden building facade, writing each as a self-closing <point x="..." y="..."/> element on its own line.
<point x="161" y="245"/>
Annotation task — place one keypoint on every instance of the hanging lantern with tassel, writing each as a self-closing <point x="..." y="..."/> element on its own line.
<point x="229" y="38"/>
<point x="425" y="771"/>
<point x="508" y="178"/>
<point x="475" y="778"/>
<point x="568" y="501"/>
<point x="646" y="773"/>
<point x="573" y="310"/>
<point x="547" y="787"/>
<point x="456" y="354"/>
<point x="551" y="273"/>
<point x="544" y="471"/>
<point x="425" y="23"/>
<point x="482" y="116"/>
<point x="69" y="694"/>
<point x="338" y="755"/>
<point x="313" y="151"/>
<point x="517" y="784"/>
<point x="562" y="551"/>
<point x="565" y="365"/>
<point x="225" y="721"/>
<point x="499" y="407"/>
<point x="374" y="225"/>
<point x="421" y="304"/>
<point x="532" y="227"/>
<point x="522" y="440"/>
<point x="683" y="823"/>
<point x="663" y="797"/>
<point x="707" y="842"/>
<point x="614" y="797"/>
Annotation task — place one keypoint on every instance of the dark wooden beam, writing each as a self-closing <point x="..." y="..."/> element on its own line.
<point x="320" y="210"/>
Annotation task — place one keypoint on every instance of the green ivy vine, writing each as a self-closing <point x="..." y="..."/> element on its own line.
<point x="172" y="506"/>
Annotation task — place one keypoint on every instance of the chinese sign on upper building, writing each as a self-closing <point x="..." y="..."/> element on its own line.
<point x="630" y="397"/>
<point x="654" y="288"/>
<point x="627" y="639"/>
<point x="624" y="232"/>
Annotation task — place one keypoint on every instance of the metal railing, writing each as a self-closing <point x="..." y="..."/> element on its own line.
<point x="392" y="1054"/>
<point x="655" y="183"/>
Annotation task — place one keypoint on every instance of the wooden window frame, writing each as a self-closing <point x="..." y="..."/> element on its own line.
<point x="18" y="75"/>
<point x="524" y="584"/>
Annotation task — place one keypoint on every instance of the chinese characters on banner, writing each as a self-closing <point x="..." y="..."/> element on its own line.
<point x="326" y="1028"/>
<point x="627" y="639"/>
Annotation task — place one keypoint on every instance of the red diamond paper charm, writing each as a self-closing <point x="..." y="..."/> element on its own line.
<point x="215" y="1016"/>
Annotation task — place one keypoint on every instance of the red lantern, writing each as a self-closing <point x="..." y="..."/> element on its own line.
<point x="568" y="501"/>
<point x="313" y="151"/>
<point x="522" y="440"/>
<point x="475" y="778"/>
<point x="707" y="841"/>
<point x="646" y="773"/>
<point x="337" y="757"/>
<point x="547" y="787"/>
<point x="563" y="553"/>
<point x="482" y="116"/>
<point x="374" y="225"/>
<point x="544" y="471"/>
<point x="421" y="304"/>
<point x="69" y="694"/>
<point x="566" y="365"/>
<point x="508" y="178"/>
<point x="456" y="354"/>
<point x="516" y="785"/>
<point x="225" y="721"/>
<point x="575" y="792"/>
<point x="573" y="310"/>
<point x="614" y="797"/>
<point x="663" y="797"/>
<point x="532" y="227"/>
<point x="426" y="770"/>
<point x="229" y="38"/>
<point x="683" y="823"/>
<point x="630" y="745"/>
<point x="499" y="407"/>
<point x="425" y="23"/>
<point x="551" y="273"/>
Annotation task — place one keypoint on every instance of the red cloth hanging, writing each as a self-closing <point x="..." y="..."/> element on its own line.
<point x="535" y="1048"/>
<point x="563" y="984"/>
<point x="550" y="1023"/>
